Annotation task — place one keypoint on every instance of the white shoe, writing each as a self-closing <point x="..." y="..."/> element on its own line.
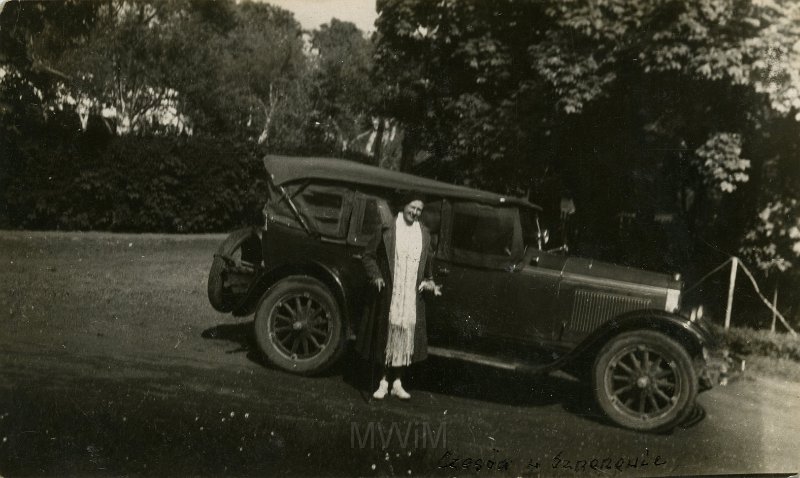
<point x="397" y="390"/>
<point x="381" y="391"/>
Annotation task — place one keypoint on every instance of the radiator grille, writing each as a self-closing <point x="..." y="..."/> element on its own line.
<point x="590" y="309"/>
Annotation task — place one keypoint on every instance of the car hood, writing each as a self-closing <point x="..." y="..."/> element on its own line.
<point x="606" y="270"/>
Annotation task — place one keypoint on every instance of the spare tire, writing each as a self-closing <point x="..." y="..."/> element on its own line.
<point x="243" y="246"/>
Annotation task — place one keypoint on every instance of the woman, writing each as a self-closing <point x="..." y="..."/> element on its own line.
<point x="398" y="261"/>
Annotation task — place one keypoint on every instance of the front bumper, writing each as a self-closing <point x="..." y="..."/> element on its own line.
<point x="719" y="367"/>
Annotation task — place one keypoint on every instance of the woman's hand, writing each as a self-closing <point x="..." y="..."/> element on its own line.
<point x="378" y="283"/>
<point x="430" y="286"/>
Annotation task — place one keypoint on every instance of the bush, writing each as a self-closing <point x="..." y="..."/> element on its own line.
<point x="745" y="341"/>
<point x="134" y="184"/>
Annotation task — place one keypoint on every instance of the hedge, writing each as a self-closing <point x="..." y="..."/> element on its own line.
<point x="134" y="184"/>
<point x="746" y="341"/>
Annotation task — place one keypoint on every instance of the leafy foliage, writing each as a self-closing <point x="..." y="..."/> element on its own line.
<point x="637" y="109"/>
<point x="774" y="243"/>
<point x="343" y="94"/>
<point x="129" y="66"/>
<point x="469" y="59"/>
<point x="208" y="68"/>
<point x="722" y="161"/>
<point x="258" y="77"/>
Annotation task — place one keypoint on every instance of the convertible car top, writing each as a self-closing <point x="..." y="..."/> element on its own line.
<point x="285" y="169"/>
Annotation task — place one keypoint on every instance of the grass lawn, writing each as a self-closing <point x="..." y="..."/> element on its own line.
<point x="84" y="292"/>
<point x="779" y="368"/>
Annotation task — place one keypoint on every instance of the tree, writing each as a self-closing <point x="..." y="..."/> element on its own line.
<point x="201" y="67"/>
<point x="633" y="106"/>
<point x="140" y="55"/>
<point x="32" y="35"/>
<point x="257" y="84"/>
<point x="344" y="96"/>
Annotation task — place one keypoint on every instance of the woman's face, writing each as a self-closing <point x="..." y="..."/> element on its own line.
<point x="412" y="211"/>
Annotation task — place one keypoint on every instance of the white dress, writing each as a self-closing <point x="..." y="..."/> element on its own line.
<point x="403" y="307"/>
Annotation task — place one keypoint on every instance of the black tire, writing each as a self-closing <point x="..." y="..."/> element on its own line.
<point x="299" y="327"/>
<point x="645" y="381"/>
<point x="241" y="244"/>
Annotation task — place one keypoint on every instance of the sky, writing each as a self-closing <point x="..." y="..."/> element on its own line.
<point x="313" y="13"/>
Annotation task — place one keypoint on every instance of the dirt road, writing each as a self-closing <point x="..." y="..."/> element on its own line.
<point x="113" y="363"/>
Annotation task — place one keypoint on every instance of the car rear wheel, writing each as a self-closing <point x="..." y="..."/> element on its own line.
<point x="645" y="381"/>
<point x="298" y="326"/>
<point x="234" y="264"/>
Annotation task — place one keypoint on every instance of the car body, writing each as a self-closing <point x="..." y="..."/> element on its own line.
<point x="507" y="302"/>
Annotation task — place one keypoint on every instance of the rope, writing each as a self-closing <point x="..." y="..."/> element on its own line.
<point x="764" y="299"/>
<point x="707" y="276"/>
<point x="755" y="286"/>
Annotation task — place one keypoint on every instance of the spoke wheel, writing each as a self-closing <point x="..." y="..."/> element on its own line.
<point x="645" y="380"/>
<point x="298" y="326"/>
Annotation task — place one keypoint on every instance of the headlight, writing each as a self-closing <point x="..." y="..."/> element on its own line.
<point x="673" y="300"/>
<point x="696" y="313"/>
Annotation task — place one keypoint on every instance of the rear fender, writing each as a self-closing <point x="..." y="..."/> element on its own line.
<point x="319" y="271"/>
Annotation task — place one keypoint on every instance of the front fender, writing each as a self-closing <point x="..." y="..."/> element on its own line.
<point x="691" y="335"/>
<point x="679" y="328"/>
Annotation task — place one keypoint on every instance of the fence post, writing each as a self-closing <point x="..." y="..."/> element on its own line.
<point x="774" y="309"/>
<point x="732" y="284"/>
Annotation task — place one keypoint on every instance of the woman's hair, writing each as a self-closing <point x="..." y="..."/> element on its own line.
<point x="404" y="197"/>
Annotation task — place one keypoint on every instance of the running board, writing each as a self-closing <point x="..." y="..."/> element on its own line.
<point x="489" y="361"/>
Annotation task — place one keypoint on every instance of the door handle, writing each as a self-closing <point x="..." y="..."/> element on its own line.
<point x="357" y="256"/>
<point x="444" y="271"/>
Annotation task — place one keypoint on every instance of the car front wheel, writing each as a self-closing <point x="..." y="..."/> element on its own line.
<point x="298" y="325"/>
<point x="645" y="381"/>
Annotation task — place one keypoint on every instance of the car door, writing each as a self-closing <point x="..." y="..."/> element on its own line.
<point x="491" y="303"/>
<point x="538" y="296"/>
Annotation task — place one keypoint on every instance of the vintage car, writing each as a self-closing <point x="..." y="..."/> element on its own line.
<point x="507" y="302"/>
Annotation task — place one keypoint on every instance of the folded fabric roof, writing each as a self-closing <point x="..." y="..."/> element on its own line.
<point x="285" y="169"/>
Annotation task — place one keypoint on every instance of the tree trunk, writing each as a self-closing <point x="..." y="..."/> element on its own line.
<point x="407" y="149"/>
<point x="269" y="111"/>
<point x="377" y="150"/>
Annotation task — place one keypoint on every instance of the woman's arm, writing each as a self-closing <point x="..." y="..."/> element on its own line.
<point x="370" y="257"/>
<point x="428" y="282"/>
<point x="428" y="271"/>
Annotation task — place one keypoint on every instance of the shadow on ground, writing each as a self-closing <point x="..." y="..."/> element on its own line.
<point x="441" y="376"/>
<point x="242" y="335"/>
<point x="449" y="377"/>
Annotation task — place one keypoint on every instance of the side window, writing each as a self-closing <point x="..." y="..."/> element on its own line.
<point x="327" y="207"/>
<point x="370" y="213"/>
<point x="482" y="230"/>
<point x="432" y="219"/>
<point x="372" y="217"/>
